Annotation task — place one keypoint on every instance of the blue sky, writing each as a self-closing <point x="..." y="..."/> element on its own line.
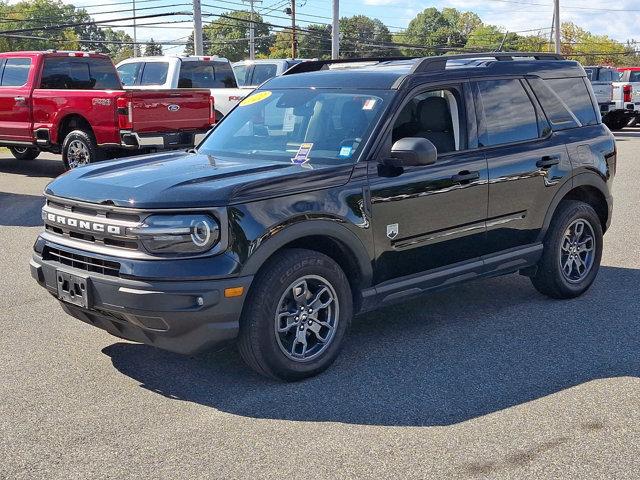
<point x="513" y="15"/>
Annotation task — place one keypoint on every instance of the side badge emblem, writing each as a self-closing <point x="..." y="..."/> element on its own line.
<point x="392" y="231"/>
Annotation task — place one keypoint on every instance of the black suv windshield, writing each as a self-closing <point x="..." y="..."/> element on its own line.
<point x="319" y="125"/>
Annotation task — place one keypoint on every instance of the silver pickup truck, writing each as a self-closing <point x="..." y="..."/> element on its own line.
<point x="614" y="96"/>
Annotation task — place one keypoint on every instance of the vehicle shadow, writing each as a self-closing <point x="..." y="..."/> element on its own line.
<point x="19" y="210"/>
<point x="41" y="167"/>
<point x="444" y="359"/>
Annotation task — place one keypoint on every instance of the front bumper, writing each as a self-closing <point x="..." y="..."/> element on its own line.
<point x="181" y="316"/>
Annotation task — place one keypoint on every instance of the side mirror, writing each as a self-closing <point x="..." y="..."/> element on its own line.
<point x="412" y="151"/>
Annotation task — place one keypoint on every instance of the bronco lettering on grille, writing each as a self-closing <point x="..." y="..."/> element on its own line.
<point x="84" y="224"/>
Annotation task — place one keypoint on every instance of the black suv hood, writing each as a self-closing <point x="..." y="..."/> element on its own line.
<point x="179" y="180"/>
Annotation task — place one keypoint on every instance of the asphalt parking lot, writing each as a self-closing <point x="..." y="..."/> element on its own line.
<point x="488" y="380"/>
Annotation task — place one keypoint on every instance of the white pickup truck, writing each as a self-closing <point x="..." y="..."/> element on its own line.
<point x="183" y="71"/>
<point x="614" y="96"/>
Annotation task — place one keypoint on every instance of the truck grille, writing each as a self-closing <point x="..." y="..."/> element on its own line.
<point x="91" y="224"/>
<point x="82" y="262"/>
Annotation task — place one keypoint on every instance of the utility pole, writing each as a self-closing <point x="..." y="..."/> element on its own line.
<point x="294" y="37"/>
<point x="556" y="21"/>
<point x="198" y="47"/>
<point x="252" y="34"/>
<point x="135" y="36"/>
<point x="335" y="30"/>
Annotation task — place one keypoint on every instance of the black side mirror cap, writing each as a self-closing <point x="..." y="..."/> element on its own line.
<point x="412" y="151"/>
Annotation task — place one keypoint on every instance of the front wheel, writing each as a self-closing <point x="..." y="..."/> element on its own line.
<point x="296" y="316"/>
<point x="24" y="153"/>
<point x="572" y="252"/>
<point x="79" y="148"/>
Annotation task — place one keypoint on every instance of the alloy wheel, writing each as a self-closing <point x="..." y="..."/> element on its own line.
<point x="307" y="317"/>
<point x="78" y="154"/>
<point x="577" y="251"/>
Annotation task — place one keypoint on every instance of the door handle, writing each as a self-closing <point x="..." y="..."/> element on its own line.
<point x="548" y="161"/>
<point x="465" y="177"/>
<point x="20" y="99"/>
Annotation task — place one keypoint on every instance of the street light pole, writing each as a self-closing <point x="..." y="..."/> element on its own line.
<point x="198" y="47"/>
<point x="335" y="30"/>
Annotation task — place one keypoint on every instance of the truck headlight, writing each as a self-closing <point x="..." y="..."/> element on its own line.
<point x="181" y="234"/>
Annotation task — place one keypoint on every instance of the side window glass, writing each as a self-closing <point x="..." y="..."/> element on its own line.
<point x="129" y="73"/>
<point x="263" y="72"/>
<point x="16" y="72"/>
<point x="573" y="92"/>
<point x="558" y="113"/>
<point x="154" y="73"/>
<point x="509" y="116"/>
<point x="633" y="76"/>
<point x="243" y="74"/>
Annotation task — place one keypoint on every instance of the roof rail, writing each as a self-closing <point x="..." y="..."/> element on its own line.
<point x="439" y="63"/>
<point x="316" y="65"/>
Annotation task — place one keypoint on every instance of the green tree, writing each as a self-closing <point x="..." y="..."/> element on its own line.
<point x="281" y="47"/>
<point x="121" y="46"/>
<point x="432" y="31"/>
<point x="315" y="42"/>
<point x="152" y="48"/>
<point x="590" y="49"/>
<point x="228" y="36"/>
<point x="361" y="36"/>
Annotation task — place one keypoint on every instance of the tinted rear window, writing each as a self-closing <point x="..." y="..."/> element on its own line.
<point x="206" y="75"/>
<point x="79" y="74"/>
<point x="16" y="72"/>
<point x="154" y="73"/>
<point x="634" y="76"/>
<point x="557" y="111"/>
<point x="509" y="115"/>
<point x="575" y="95"/>
<point x="263" y="72"/>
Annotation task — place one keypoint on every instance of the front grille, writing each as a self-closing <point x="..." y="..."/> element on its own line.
<point x="77" y="222"/>
<point x="82" y="262"/>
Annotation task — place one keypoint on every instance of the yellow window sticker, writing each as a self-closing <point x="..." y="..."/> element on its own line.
<point x="255" y="98"/>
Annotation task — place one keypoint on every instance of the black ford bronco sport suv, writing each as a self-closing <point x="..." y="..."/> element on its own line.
<point x="333" y="191"/>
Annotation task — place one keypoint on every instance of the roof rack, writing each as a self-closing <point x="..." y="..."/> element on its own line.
<point x="316" y="65"/>
<point x="439" y="63"/>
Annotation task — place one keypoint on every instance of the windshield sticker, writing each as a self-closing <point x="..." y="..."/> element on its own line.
<point x="345" y="152"/>
<point x="255" y="98"/>
<point x="369" y="104"/>
<point x="289" y="121"/>
<point x="302" y="156"/>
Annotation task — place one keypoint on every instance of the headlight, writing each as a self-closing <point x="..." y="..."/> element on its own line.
<point x="180" y="234"/>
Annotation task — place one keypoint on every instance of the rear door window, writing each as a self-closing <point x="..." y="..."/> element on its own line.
<point x="507" y="111"/>
<point x="79" y="74"/>
<point x="16" y="72"/>
<point x="206" y="75"/>
<point x="263" y="72"/>
<point x="243" y="74"/>
<point x="154" y="73"/>
<point x="575" y="95"/>
<point x="129" y="73"/>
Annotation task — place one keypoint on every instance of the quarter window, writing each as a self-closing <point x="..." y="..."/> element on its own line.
<point x="154" y="73"/>
<point x="509" y="116"/>
<point x="557" y="111"/>
<point x="575" y="95"/>
<point x="16" y="72"/>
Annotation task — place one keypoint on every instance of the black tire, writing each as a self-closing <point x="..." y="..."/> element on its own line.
<point x="550" y="279"/>
<point x="79" y="140"/>
<point x="261" y="346"/>
<point x="24" y="153"/>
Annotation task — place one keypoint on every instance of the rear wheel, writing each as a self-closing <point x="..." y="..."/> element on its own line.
<point x="572" y="252"/>
<point x="617" y="122"/>
<point x="296" y="316"/>
<point x="25" y="153"/>
<point x="79" y="148"/>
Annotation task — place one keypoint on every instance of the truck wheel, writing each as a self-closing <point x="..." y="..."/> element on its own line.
<point x="25" y="153"/>
<point x="296" y="315"/>
<point x="79" y="148"/>
<point x="572" y="252"/>
<point x="616" y="123"/>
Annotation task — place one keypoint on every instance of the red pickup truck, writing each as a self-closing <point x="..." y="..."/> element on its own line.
<point x="73" y="103"/>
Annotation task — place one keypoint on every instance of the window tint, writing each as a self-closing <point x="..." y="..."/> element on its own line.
<point x="154" y="73"/>
<point x="206" y="75"/>
<point x="16" y="72"/>
<point x="434" y="115"/>
<point x="574" y="93"/>
<point x="509" y="115"/>
<point x="79" y="73"/>
<point x="633" y="76"/>
<point x="129" y="73"/>
<point x="592" y="74"/>
<point x="263" y="72"/>
<point x="556" y="110"/>
<point x="242" y="73"/>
